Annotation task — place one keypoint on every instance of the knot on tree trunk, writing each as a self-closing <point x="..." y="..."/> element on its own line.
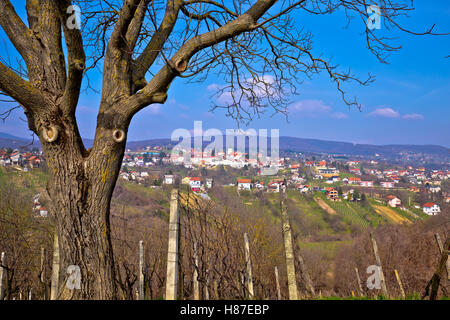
<point x="50" y="134"/>
<point x="181" y="65"/>
<point x="118" y="135"/>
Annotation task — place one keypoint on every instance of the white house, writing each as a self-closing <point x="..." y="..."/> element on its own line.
<point x="209" y="183"/>
<point x="393" y="201"/>
<point x="431" y="209"/>
<point x="43" y="212"/>
<point x="195" y="182"/>
<point x="244" y="184"/>
<point x="366" y="183"/>
<point x="387" y="184"/>
<point x="435" y="189"/>
<point x="168" y="179"/>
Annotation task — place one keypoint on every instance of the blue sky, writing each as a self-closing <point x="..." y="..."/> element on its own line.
<point x="407" y="104"/>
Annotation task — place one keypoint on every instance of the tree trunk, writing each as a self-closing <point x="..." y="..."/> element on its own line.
<point x="80" y="186"/>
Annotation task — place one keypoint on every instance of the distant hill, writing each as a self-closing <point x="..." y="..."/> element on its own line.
<point x="9" y="141"/>
<point x="335" y="147"/>
<point x="286" y="144"/>
<point x="329" y="147"/>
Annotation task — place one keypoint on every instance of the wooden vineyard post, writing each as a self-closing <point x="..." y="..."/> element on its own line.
<point x="289" y="253"/>
<point x="195" y="277"/>
<point x="434" y="283"/>
<point x="441" y="249"/>
<point x="306" y="275"/>
<point x="377" y="257"/>
<point x="3" y="272"/>
<point x="141" y="270"/>
<point x="55" y="269"/>
<point x="249" y="267"/>
<point x="402" y="291"/>
<point x="173" y="247"/>
<point x="358" y="278"/>
<point x="277" y="282"/>
<point x="207" y="285"/>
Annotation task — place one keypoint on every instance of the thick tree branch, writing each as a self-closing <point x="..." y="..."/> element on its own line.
<point x="127" y="13"/>
<point x="18" y="33"/>
<point x="76" y="60"/>
<point x="154" y="47"/>
<point x="19" y="89"/>
<point x="117" y="66"/>
<point x="156" y="90"/>
<point x="135" y="26"/>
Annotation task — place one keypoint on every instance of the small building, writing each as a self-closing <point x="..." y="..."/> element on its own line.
<point x="274" y="186"/>
<point x="431" y="208"/>
<point x="393" y="201"/>
<point x="244" y="184"/>
<point x="387" y="184"/>
<point x="332" y="194"/>
<point x="354" y="180"/>
<point x="43" y="212"/>
<point x="168" y="179"/>
<point x="366" y="184"/>
<point x="195" y="182"/>
<point x="209" y="183"/>
<point x="303" y="188"/>
<point x="434" y="189"/>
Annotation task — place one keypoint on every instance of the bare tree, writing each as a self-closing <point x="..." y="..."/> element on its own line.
<point x="255" y="45"/>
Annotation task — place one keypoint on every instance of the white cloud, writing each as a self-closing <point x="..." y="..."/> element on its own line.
<point x="340" y="115"/>
<point x="384" y="113"/>
<point x="213" y="87"/>
<point x="413" y="116"/>
<point x="391" y="113"/>
<point x="309" y="108"/>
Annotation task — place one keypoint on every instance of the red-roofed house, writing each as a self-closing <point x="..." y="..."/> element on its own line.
<point x="244" y="184"/>
<point x="393" y="201"/>
<point x="354" y="180"/>
<point x="431" y="208"/>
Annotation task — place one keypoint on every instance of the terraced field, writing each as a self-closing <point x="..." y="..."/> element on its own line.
<point x="390" y="214"/>
<point x="349" y="214"/>
<point x="324" y="206"/>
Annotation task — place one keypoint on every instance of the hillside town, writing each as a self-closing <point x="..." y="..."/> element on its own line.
<point x="338" y="179"/>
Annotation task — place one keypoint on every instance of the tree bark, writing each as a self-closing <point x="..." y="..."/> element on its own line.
<point x="80" y="186"/>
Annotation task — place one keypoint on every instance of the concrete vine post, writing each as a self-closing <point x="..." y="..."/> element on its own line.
<point x="173" y="247"/>
<point x="3" y="272"/>
<point x="248" y="264"/>
<point x="289" y="252"/>
<point x="196" y="284"/>
<point x="441" y="249"/>
<point x="141" y="271"/>
<point x="358" y="278"/>
<point x="277" y="283"/>
<point x="377" y="257"/>
<point x="400" y="284"/>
